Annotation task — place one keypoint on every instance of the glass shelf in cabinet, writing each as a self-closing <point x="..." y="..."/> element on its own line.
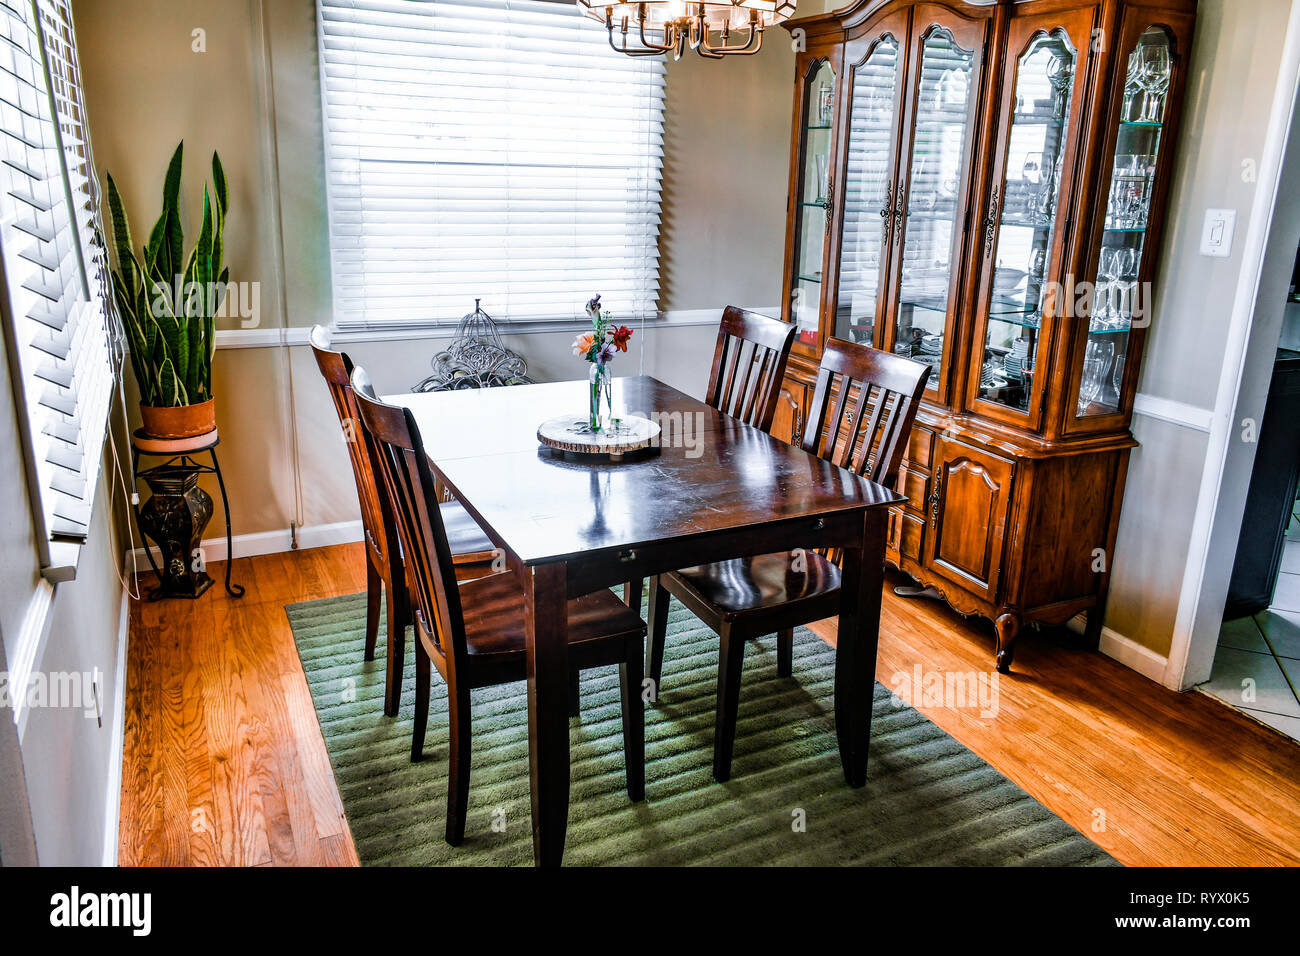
<point x="1019" y="223"/>
<point x="804" y="278"/>
<point x="817" y="126"/>
<point x="1025" y="320"/>
<point x="1037" y="119"/>
<point x="1134" y="124"/>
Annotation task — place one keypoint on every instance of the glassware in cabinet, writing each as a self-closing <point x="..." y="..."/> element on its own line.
<point x="1023" y="239"/>
<point x="1120" y="300"/>
<point x="867" y="196"/>
<point x="931" y="235"/>
<point x="815" y="199"/>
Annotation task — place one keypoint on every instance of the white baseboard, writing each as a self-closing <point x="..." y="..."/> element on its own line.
<point x="264" y="542"/>
<point x="1133" y="655"/>
<point x="113" y="795"/>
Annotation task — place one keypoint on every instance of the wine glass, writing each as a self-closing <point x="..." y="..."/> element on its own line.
<point x="1106" y="266"/>
<point x="1096" y="359"/>
<point x="1033" y="167"/>
<point x="1037" y="265"/>
<point x="1157" y="71"/>
<point x="1060" y="74"/>
<point x="1132" y="85"/>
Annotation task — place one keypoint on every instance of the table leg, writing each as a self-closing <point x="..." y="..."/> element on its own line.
<point x="862" y="581"/>
<point x="546" y="621"/>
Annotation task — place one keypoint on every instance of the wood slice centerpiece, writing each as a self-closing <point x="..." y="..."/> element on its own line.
<point x="575" y="435"/>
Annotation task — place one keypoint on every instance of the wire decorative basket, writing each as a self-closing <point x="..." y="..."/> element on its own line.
<point x="476" y="358"/>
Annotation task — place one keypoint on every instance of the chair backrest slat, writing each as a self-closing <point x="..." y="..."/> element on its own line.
<point x="748" y="366"/>
<point x="408" y="478"/>
<point x="889" y="389"/>
<point x="336" y="368"/>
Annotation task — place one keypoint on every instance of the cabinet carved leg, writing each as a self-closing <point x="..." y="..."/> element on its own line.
<point x="1008" y="627"/>
<point x="1092" y="631"/>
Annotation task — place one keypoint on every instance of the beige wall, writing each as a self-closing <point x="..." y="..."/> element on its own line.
<point x="726" y="169"/>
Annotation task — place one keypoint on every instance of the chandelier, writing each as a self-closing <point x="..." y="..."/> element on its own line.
<point x="673" y="26"/>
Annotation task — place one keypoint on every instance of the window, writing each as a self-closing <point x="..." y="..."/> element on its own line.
<point x="486" y="149"/>
<point x="53" y="266"/>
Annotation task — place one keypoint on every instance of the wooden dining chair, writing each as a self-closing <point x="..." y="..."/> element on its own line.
<point x="749" y="363"/>
<point x="472" y="551"/>
<point x="473" y="631"/>
<point x="872" y="398"/>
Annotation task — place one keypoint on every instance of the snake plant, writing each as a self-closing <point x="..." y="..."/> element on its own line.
<point x="167" y="303"/>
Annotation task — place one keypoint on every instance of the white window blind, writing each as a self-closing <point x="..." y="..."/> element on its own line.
<point x="53" y="262"/>
<point x="486" y="149"/>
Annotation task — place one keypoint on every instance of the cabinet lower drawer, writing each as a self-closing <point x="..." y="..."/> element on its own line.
<point x="920" y="447"/>
<point x="906" y="535"/>
<point x="915" y="485"/>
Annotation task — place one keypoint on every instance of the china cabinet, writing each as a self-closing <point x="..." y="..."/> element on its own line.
<point x="981" y="187"/>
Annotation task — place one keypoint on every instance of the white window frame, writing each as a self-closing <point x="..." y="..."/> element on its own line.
<point x="627" y="279"/>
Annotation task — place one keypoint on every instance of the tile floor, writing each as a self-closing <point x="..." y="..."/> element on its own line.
<point x="1257" y="667"/>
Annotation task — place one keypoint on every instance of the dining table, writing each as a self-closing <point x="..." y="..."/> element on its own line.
<point x="712" y="489"/>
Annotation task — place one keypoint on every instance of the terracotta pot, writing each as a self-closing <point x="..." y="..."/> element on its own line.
<point x="182" y="421"/>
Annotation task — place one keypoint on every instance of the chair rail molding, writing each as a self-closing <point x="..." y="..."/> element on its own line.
<point x="1176" y="413"/>
<point x="265" y="338"/>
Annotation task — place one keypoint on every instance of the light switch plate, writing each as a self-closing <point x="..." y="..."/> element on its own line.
<point x="1216" y="240"/>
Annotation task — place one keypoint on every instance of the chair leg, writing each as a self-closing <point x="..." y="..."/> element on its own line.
<point x="630" y="675"/>
<point x="458" y="767"/>
<point x="731" y="659"/>
<point x="575" y="694"/>
<point x="632" y="594"/>
<point x="654" y="663"/>
<point x="395" y="665"/>
<point x="785" y="652"/>
<point x="422" y="681"/>
<point x="374" y="595"/>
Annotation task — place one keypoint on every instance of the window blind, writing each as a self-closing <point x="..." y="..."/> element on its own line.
<point x="486" y="149"/>
<point x="53" y="262"/>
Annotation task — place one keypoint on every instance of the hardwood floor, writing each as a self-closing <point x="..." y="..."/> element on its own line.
<point x="225" y="763"/>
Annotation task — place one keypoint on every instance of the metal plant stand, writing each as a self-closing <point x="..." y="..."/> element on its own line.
<point x="179" y="474"/>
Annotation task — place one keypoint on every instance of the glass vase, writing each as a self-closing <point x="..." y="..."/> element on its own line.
<point x="600" y="414"/>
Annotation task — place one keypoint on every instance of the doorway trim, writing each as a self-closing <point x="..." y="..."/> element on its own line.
<point x="1250" y="346"/>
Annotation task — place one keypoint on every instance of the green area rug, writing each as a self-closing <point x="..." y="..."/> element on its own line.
<point x="928" y="800"/>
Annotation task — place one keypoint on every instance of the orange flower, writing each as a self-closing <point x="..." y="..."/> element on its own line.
<point x="582" y="344"/>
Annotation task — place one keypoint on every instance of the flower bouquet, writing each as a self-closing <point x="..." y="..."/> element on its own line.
<point x="599" y="347"/>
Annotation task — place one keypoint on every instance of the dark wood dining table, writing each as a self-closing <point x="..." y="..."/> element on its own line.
<point x="714" y="489"/>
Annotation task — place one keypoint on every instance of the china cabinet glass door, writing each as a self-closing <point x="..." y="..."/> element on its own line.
<point x="873" y="69"/>
<point x="930" y="207"/>
<point x="1120" y="300"/>
<point x="815" y="196"/>
<point x="1022" y="236"/>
